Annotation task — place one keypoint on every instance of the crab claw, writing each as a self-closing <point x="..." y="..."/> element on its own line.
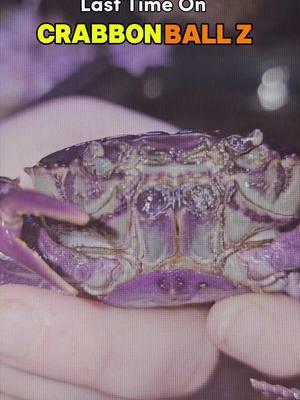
<point x="14" y="204"/>
<point x="17" y="203"/>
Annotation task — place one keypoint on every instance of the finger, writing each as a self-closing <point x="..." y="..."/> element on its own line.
<point x="261" y="330"/>
<point x="25" y="386"/>
<point x="3" y="396"/>
<point x="127" y="353"/>
<point x="61" y="123"/>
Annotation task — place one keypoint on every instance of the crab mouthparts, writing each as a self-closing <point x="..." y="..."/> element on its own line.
<point x="172" y="288"/>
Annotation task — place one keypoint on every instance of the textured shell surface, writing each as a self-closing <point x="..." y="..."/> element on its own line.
<point x="157" y="219"/>
<point x="170" y="214"/>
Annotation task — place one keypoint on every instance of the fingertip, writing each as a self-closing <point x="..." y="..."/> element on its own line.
<point x="261" y="330"/>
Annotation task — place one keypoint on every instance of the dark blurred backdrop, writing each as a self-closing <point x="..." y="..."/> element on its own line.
<point x="235" y="88"/>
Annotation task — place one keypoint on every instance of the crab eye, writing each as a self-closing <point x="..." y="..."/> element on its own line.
<point x="94" y="161"/>
<point x="238" y="144"/>
<point x="200" y="199"/>
<point x="154" y="201"/>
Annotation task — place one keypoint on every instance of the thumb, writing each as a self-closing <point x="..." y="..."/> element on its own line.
<point x="261" y="330"/>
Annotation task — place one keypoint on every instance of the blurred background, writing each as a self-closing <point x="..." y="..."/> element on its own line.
<point x="232" y="88"/>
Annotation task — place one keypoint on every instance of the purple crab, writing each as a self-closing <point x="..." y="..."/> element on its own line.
<point x="157" y="220"/>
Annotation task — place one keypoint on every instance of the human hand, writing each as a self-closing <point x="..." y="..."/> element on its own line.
<point x="261" y="330"/>
<point x="60" y="347"/>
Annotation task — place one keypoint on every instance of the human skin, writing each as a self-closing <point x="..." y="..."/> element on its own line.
<point x="59" y="347"/>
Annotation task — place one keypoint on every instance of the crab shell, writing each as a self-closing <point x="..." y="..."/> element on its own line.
<point x="173" y="218"/>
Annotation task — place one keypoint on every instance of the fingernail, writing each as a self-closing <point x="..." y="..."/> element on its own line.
<point x="21" y="329"/>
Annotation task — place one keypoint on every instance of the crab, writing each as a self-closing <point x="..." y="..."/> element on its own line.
<point x="157" y="219"/>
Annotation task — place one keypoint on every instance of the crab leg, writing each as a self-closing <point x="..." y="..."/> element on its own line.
<point x="276" y="262"/>
<point x="95" y="274"/>
<point x="276" y="392"/>
<point x="281" y="254"/>
<point x="17" y="203"/>
<point x="23" y="202"/>
<point x="15" y="248"/>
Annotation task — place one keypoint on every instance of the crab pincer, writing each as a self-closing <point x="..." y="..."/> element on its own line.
<point x="16" y="203"/>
